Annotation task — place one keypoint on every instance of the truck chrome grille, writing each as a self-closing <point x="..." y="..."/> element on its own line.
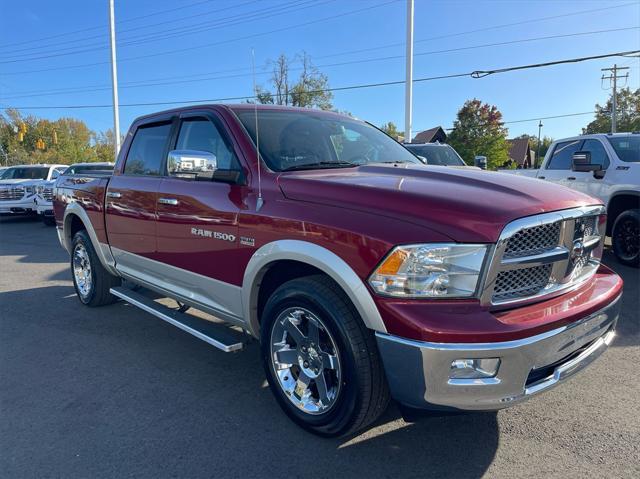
<point x="8" y="193"/>
<point x="533" y="240"/>
<point x="521" y="283"/>
<point x="544" y="254"/>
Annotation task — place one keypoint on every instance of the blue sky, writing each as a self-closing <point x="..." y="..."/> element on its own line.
<point x="346" y="39"/>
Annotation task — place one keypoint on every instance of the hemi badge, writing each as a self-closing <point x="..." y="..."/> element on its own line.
<point x="246" y="241"/>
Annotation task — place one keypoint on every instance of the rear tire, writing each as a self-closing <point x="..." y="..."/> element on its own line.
<point x="90" y="279"/>
<point x="321" y="362"/>
<point x="625" y="237"/>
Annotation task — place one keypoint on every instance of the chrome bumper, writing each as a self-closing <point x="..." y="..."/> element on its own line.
<point x="418" y="372"/>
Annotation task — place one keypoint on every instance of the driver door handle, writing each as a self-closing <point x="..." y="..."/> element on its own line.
<point x="114" y="194"/>
<point x="168" y="201"/>
<point x="571" y="178"/>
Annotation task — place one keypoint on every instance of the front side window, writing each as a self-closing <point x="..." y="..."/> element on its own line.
<point x="147" y="150"/>
<point x="201" y="149"/>
<point x="627" y="147"/>
<point x="598" y="153"/>
<point x="563" y="154"/>
<point x="291" y="140"/>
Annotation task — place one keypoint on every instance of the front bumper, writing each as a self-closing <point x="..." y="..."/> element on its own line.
<point x="18" y="207"/>
<point x="418" y="372"/>
<point x="44" y="207"/>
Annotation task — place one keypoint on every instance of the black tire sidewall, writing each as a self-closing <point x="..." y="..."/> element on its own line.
<point x="81" y="237"/>
<point x="340" y="416"/>
<point x="634" y="215"/>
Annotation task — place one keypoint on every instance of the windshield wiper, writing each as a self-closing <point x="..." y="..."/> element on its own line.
<point x="320" y="165"/>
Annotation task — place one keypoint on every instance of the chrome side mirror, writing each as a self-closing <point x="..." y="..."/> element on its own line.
<point x="192" y="164"/>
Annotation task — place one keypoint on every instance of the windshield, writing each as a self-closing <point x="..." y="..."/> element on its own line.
<point x="442" y="155"/>
<point x="291" y="140"/>
<point x="79" y="169"/>
<point x="627" y="147"/>
<point x="25" y="173"/>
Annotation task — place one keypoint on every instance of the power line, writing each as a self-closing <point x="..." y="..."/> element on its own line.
<point x="218" y="23"/>
<point x="42" y="70"/>
<point x="134" y="29"/>
<point x="132" y="19"/>
<point x="183" y="79"/>
<point x="473" y="74"/>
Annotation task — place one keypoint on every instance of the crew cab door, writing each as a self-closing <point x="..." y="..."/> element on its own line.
<point x="558" y="168"/>
<point x="130" y="203"/>
<point x="198" y="205"/>
<point x="586" y="181"/>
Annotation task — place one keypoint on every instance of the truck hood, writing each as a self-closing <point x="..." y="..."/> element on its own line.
<point x="463" y="204"/>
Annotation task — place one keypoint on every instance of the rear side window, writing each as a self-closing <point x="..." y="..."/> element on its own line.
<point x="562" y="154"/>
<point x="200" y="134"/>
<point x="147" y="150"/>
<point x="598" y="153"/>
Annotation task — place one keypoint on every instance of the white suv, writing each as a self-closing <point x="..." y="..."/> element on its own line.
<point x="18" y="187"/>
<point x="606" y="166"/>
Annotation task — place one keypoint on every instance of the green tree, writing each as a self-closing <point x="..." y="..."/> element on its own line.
<point x="391" y="129"/>
<point x="478" y="130"/>
<point x="628" y="113"/>
<point x="309" y="90"/>
<point x="104" y="144"/>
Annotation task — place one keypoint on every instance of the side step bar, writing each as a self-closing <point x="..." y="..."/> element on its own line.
<point x="216" y="335"/>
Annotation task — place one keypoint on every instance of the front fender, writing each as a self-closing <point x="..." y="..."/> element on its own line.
<point x="313" y="255"/>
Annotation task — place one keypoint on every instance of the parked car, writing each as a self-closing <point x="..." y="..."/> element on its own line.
<point x="607" y="167"/>
<point x="2" y="170"/>
<point x="18" y="187"/>
<point x="44" y="191"/>
<point x="438" y="154"/>
<point x="362" y="272"/>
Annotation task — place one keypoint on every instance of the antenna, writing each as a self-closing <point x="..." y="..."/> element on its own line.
<point x="260" y="201"/>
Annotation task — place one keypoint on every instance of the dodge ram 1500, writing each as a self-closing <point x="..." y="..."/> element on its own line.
<point x="363" y="273"/>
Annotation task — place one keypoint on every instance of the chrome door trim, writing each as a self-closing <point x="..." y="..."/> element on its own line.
<point x="218" y="298"/>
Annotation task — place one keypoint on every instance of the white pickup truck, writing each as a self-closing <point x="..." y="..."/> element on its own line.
<point x="19" y="184"/>
<point x="606" y="166"/>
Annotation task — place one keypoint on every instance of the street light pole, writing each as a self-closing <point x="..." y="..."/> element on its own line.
<point x="538" y="149"/>
<point x="408" y="105"/>
<point x="114" y="79"/>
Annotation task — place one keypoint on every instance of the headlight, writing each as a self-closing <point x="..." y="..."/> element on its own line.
<point x="430" y="271"/>
<point x="39" y="189"/>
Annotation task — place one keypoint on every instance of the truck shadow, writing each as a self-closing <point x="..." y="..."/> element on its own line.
<point x="30" y="240"/>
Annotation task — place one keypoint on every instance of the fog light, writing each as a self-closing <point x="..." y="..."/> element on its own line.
<point x="474" y="368"/>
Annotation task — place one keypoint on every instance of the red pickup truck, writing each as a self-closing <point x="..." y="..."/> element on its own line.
<point x="363" y="273"/>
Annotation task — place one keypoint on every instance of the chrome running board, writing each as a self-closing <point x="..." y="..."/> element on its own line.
<point x="217" y="335"/>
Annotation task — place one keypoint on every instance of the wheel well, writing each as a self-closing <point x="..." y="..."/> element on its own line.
<point x="278" y="273"/>
<point x="75" y="225"/>
<point x="617" y="205"/>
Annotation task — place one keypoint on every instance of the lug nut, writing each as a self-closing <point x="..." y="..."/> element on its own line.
<point x="306" y="364"/>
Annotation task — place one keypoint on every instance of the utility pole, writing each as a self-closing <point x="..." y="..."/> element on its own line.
<point x="540" y="125"/>
<point x="613" y="77"/>
<point x="114" y="79"/>
<point x="408" y="98"/>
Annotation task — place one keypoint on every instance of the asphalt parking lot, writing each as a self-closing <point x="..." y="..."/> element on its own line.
<point x="113" y="392"/>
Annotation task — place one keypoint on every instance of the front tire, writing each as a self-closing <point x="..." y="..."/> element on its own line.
<point x="90" y="279"/>
<point x="321" y="362"/>
<point x="625" y="237"/>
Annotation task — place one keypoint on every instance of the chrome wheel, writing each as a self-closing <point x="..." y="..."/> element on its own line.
<point x="82" y="270"/>
<point x="306" y="360"/>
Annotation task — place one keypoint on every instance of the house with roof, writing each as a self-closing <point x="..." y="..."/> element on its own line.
<point x="520" y="153"/>
<point x="432" y="135"/>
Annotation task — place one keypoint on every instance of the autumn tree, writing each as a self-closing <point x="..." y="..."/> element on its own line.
<point x="479" y="130"/>
<point x="627" y="117"/>
<point x="309" y="89"/>
<point x="391" y="129"/>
